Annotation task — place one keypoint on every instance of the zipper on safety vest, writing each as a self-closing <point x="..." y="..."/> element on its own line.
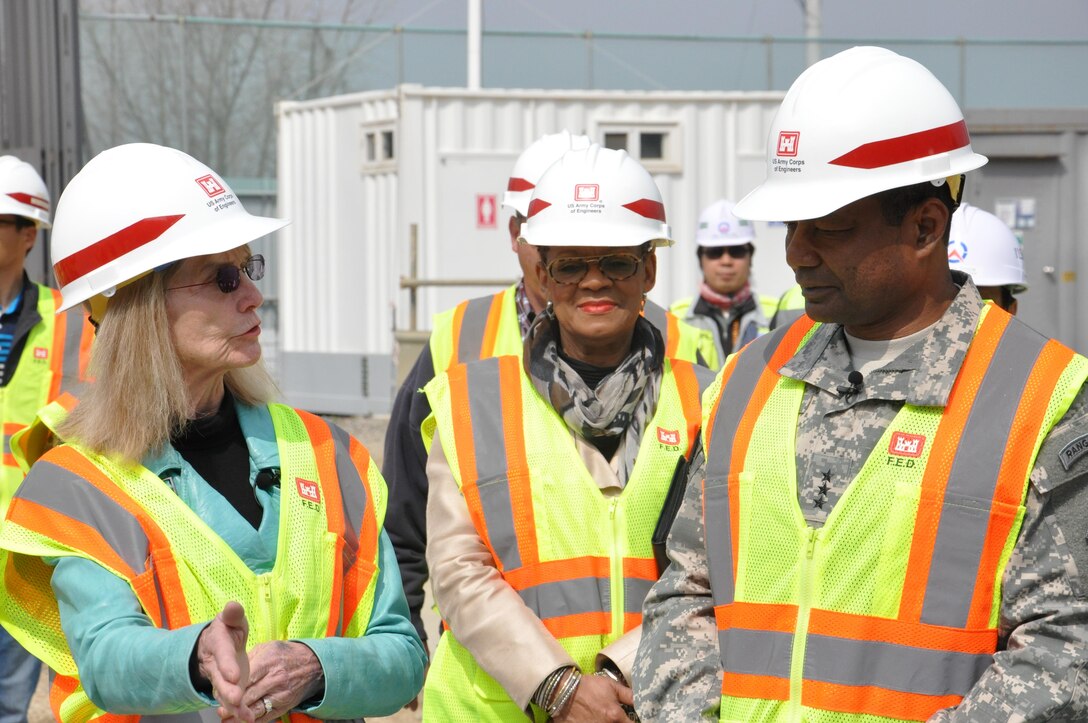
<point x="265" y="618"/>
<point x="616" y="561"/>
<point x="800" y="633"/>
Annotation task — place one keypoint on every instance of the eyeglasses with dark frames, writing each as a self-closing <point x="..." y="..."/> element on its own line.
<point x="229" y="276"/>
<point x="735" y="252"/>
<point x="572" y="269"/>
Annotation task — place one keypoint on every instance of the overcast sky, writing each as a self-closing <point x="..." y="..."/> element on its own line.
<point x="973" y="19"/>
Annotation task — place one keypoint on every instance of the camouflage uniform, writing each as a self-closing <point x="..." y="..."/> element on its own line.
<point x="1041" y="670"/>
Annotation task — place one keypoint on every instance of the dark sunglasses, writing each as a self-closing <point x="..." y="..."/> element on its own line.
<point x="229" y="276"/>
<point x="735" y="252"/>
<point x="571" y="270"/>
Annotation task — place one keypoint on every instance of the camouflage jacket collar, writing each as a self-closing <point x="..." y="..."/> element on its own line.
<point x="922" y="375"/>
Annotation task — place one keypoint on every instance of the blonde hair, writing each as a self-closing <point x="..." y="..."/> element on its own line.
<point x="138" y="399"/>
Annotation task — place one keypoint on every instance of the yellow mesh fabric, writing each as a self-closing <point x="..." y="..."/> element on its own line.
<point x="28" y="610"/>
<point x="28" y="389"/>
<point x="573" y="518"/>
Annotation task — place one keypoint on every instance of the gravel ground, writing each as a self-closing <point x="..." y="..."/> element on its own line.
<point x="371" y="432"/>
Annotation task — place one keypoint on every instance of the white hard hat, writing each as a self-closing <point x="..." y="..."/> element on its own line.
<point x="719" y="227"/>
<point x="980" y="244"/>
<point x="137" y="207"/>
<point x="532" y="163"/>
<point x="862" y="121"/>
<point x="596" y="197"/>
<point x="23" y="192"/>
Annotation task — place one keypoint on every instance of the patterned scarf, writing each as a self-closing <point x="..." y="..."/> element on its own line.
<point x="623" y="401"/>
<point x="723" y="302"/>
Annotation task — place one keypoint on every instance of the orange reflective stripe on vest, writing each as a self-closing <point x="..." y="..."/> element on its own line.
<point x="475" y="328"/>
<point x="942" y="639"/>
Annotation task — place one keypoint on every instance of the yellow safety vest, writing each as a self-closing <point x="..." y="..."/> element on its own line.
<point x="122" y="516"/>
<point x="488" y="326"/>
<point x="789" y="308"/>
<point x="889" y="611"/>
<point x="53" y="361"/>
<point x="711" y="347"/>
<point x="582" y="562"/>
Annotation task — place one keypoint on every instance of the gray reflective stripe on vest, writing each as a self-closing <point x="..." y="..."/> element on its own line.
<point x="734" y="400"/>
<point x="785" y="317"/>
<point x="895" y="667"/>
<point x="568" y="597"/>
<point x="470" y="343"/>
<point x="756" y="652"/>
<point x="658" y="316"/>
<point x="703" y="377"/>
<point x="7" y="444"/>
<point x="635" y="591"/>
<point x="73" y="333"/>
<point x="489" y="441"/>
<point x="969" y="491"/>
<point x="352" y="492"/>
<point x="67" y="493"/>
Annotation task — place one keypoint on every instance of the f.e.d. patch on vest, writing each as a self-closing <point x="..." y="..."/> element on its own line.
<point x="1073" y="451"/>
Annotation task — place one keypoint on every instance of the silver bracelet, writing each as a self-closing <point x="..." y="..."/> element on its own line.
<point x="569" y="689"/>
<point x="546" y="690"/>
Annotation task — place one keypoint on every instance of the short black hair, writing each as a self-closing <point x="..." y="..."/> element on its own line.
<point x="22" y="222"/>
<point x="896" y="203"/>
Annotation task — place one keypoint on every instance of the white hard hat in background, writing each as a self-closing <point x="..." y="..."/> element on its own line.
<point x="136" y="207"/>
<point x="718" y="226"/>
<point x="980" y="244"/>
<point x="533" y="162"/>
<point x="596" y="197"/>
<point x="23" y="192"/>
<point x="862" y="121"/>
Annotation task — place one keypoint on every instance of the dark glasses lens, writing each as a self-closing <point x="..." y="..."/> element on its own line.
<point x="616" y="267"/>
<point x="735" y="252"/>
<point x="228" y="277"/>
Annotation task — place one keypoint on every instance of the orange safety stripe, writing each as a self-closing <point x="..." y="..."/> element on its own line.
<point x="898" y="632"/>
<point x="743" y="436"/>
<point x="1014" y="468"/>
<point x="491" y="328"/>
<point x="458" y="318"/>
<point x="466" y="449"/>
<point x="325" y="455"/>
<point x="672" y="334"/>
<point x="764" y="687"/>
<point x="542" y="573"/>
<point x="688" y="386"/>
<point x="521" y="491"/>
<point x="354" y="581"/>
<point x="11" y="428"/>
<point x="177" y="610"/>
<point x="571" y="626"/>
<point x="70" y="532"/>
<point x="771" y="617"/>
<point x="871" y="700"/>
<point x="941" y="455"/>
<point x="63" y="686"/>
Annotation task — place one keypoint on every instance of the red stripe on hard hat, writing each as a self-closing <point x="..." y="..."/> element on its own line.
<point x="31" y="200"/>
<point x="648" y="208"/>
<point x="112" y="248"/>
<point x="906" y="148"/>
<point x="536" y="206"/>
<point x="519" y="184"/>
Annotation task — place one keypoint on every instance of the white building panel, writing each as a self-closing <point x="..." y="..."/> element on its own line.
<point x="356" y="172"/>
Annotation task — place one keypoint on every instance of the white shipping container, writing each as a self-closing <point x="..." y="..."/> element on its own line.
<point x="356" y="172"/>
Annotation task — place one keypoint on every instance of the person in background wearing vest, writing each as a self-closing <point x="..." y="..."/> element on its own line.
<point x="889" y="520"/>
<point x="42" y="355"/>
<point x="790" y="308"/>
<point x="479" y="328"/>
<point x="982" y="246"/>
<point x="727" y="305"/>
<point x="192" y="546"/>
<point x="549" y="470"/>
